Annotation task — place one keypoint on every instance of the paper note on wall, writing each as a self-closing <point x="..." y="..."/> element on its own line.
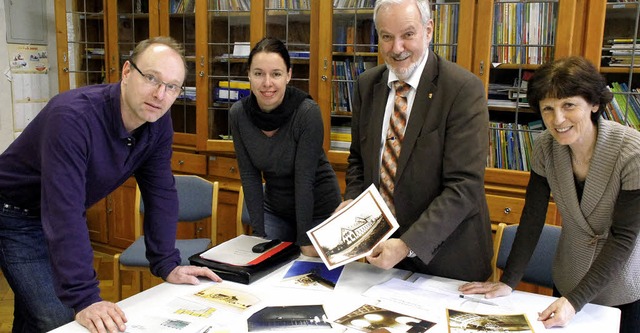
<point x="29" y="66"/>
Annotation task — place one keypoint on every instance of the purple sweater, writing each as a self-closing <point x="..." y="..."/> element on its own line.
<point x="74" y="153"/>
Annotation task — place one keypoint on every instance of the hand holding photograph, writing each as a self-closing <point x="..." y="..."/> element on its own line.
<point x="355" y="230"/>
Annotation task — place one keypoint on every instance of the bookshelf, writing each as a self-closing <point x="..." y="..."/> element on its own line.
<point x="618" y="58"/>
<point x="492" y="38"/>
<point x="354" y="50"/>
<point x="522" y="36"/>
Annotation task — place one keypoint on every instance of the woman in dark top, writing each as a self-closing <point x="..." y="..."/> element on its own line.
<point x="592" y="167"/>
<point x="278" y="135"/>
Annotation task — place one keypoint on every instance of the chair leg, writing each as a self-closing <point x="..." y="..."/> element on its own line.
<point x="138" y="275"/>
<point x="116" y="277"/>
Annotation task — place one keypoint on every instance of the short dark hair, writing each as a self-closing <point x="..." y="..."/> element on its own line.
<point x="567" y="77"/>
<point x="164" y="40"/>
<point x="273" y="45"/>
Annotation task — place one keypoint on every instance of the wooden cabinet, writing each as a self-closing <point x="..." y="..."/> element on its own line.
<point x="502" y="42"/>
<point x="94" y="38"/>
<point x="189" y="163"/>
<point x="111" y="220"/>
<point x="505" y="190"/>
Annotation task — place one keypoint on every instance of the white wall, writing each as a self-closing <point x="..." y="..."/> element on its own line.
<point x="6" y="105"/>
<point x="6" y="112"/>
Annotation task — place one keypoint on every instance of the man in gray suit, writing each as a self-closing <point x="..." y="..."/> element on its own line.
<point x="437" y="190"/>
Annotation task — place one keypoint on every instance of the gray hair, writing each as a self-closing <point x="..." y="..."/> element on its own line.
<point x="423" y="6"/>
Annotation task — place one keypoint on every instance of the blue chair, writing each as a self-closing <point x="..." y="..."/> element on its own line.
<point x="539" y="269"/>
<point x="198" y="201"/>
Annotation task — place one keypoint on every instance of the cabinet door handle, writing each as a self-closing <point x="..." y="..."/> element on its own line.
<point x="507" y="210"/>
<point x="180" y="162"/>
<point x="232" y="170"/>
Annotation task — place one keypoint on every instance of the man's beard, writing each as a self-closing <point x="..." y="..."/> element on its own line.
<point x="404" y="73"/>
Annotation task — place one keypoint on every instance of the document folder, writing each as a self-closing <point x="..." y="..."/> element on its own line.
<point x="251" y="273"/>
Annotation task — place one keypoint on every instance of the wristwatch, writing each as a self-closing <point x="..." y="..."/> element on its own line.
<point x="411" y="254"/>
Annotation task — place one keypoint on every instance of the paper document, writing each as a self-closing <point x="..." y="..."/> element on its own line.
<point x="237" y="251"/>
<point x="355" y="230"/>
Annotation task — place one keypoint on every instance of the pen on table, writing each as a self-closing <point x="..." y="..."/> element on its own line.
<point x="207" y="330"/>
<point x="479" y="300"/>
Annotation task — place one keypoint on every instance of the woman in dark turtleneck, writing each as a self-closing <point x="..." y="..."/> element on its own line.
<point x="278" y="135"/>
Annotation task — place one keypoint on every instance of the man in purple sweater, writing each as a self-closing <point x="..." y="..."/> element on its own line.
<point x="83" y="145"/>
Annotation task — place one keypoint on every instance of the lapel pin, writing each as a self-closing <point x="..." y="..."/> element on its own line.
<point x="430" y="95"/>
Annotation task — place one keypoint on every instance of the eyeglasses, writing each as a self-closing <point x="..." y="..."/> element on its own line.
<point x="171" y="88"/>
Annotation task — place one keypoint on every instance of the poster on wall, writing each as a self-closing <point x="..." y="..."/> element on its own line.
<point x="29" y="67"/>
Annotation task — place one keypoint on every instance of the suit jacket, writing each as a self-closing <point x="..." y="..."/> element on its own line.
<point x="439" y="191"/>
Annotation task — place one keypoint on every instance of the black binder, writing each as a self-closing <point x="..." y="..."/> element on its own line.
<point x="248" y="274"/>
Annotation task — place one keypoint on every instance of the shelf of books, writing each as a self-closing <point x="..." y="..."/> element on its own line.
<point x="445" y="15"/>
<point x="620" y="61"/>
<point x="354" y="50"/>
<point x="523" y="37"/>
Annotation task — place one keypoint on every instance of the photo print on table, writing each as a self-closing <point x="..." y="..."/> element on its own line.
<point x="311" y="275"/>
<point x="460" y="321"/>
<point x="368" y="318"/>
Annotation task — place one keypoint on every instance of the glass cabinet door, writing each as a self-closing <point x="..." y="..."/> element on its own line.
<point x="132" y="28"/>
<point x="523" y="36"/>
<point x="182" y="27"/>
<point x="228" y="50"/>
<point x="290" y="21"/>
<point x="84" y="59"/>
<point x="445" y="16"/>
<point x="354" y="50"/>
<point x="620" y="61"/>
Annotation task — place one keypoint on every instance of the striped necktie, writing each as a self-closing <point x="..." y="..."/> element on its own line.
<point x="395" y="134"/>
